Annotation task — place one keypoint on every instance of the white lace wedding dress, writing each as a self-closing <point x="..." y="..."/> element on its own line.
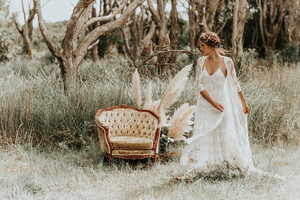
<point x="220" y="139"/>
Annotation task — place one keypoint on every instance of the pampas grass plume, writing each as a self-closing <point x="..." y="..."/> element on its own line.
<point x="175" y="88"/>
<point x="148" y="95"/>
<point x="181" y="121"/>
<point x="153" y="106"/>
<point x="137" y="88"/>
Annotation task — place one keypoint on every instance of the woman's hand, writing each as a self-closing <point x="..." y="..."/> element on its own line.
<point x="218" y="106"/>
<point x="246" y="109"/>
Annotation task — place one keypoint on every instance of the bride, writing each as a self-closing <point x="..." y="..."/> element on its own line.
<point x="220" y="138"/>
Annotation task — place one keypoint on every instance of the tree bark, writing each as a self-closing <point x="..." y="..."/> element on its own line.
<point x="140" y="39"/>
<point x="217" y="14"/>
<point x="95" y="55"/>
<point x="210" y="12"/>
<point x="26" y="30"/>
<point x="192" y="22"/>
<point x="174" y="31"/>
<point x="26" y="38"/>
<point x="239" y="16"/>
<point x="163" y="39"/>
<point x="271" y="22"/>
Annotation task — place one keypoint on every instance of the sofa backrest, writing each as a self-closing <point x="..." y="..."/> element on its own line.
<point x="128" y="121"/>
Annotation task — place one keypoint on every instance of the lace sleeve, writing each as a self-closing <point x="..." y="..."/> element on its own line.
<point x="199" y="80"/>
<point x="233" y="75"/>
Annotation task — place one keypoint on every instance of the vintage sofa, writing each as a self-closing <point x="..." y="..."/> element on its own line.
<point x="127" y="132"/>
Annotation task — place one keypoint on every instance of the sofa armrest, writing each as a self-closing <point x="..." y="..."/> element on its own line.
<point x="105" y="143"/>
<point x="156" y="139"/>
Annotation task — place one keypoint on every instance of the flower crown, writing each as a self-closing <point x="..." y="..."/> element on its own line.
<point x="210" y="39"/>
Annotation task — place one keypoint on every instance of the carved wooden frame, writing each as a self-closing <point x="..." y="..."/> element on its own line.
<point x="109" y="144"/>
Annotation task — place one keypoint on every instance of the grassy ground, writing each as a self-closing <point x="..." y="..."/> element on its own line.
<point x="27" y="173"/>
<point x="34" y="109"/>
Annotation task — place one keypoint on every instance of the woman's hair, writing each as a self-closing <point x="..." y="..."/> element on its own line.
<point x="211" y="39"/>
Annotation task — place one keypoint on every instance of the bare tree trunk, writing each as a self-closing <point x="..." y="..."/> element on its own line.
<point x="210" y="12"/>
<point x="26" y="38"/>
<point x="163" y="39"/>
<point x="26" y="30"/>
<point x="192" y="22"/>
<point x="217" y="15"/>
<point x="135" y="32"/>
<point x="271" y="22"/>
<point x="30" y="22"/>
<point x="141" y="41"/>
<point x="239" y="16"/>
<point x="174" y="31"/>
<point x="95" y="55"/>
<point x="73" y="51"/>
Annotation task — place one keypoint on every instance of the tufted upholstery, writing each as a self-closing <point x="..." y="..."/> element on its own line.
<point x="128" y="132"/>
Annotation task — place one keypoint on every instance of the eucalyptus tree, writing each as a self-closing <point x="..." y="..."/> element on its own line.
<point x="75" y="44"/>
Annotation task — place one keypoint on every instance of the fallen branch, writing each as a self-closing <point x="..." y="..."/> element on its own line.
<point x="161" y="52"/>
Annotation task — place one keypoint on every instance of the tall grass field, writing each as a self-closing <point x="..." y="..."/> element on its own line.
<point x="50" y="149"/>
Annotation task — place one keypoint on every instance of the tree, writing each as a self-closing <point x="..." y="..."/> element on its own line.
<point x="75" y="45"/>
<point x="26" y="30"/>
<point x="292" y="22"/>
<point x="94" y="48"/>
<point x="140" y="36"/>
<point x="272" y="13"/>
<point x="159" y="18"/>
<point x="203" y="17"/>
<point x="239" y="19"/>
<point x="174" y="31"/>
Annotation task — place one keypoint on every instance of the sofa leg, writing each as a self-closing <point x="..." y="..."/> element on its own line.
<point x="153" y="158"/>
<point x="111" y="160"/>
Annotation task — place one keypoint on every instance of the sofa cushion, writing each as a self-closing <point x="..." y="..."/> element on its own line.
<point x="131" y="143"/>
<point x="133" y="152"/>
<point x="129" y="122"/>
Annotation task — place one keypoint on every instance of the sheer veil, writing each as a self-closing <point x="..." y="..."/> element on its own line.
<point x="239" y="119"/>
<point x="237" y="139"/>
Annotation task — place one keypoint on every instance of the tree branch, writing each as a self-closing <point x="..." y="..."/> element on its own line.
<point x="94" y="44"/>
<point x="25" y="35"/>
<point x="108" y="17"/>
<point x="17" y="25"/>
<point x="97" y="32"/>
<point x="31" y="14"/>
<point x="155" y="15"/>
<point x="53" y="49"/>
<point x="162" y="52"/>
<point x="76" y="23"/>
<point x="127" y="47"/>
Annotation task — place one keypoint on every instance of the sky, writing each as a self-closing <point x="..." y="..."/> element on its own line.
<point x="52" y="10"/>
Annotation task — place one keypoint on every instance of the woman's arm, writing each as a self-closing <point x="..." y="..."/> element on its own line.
<point x="208" y="98"/>
<point x="238" y="88"/>
<point x="245" y="106"/>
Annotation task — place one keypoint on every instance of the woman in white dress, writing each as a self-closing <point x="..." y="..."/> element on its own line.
<point x="220" y="137"/>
